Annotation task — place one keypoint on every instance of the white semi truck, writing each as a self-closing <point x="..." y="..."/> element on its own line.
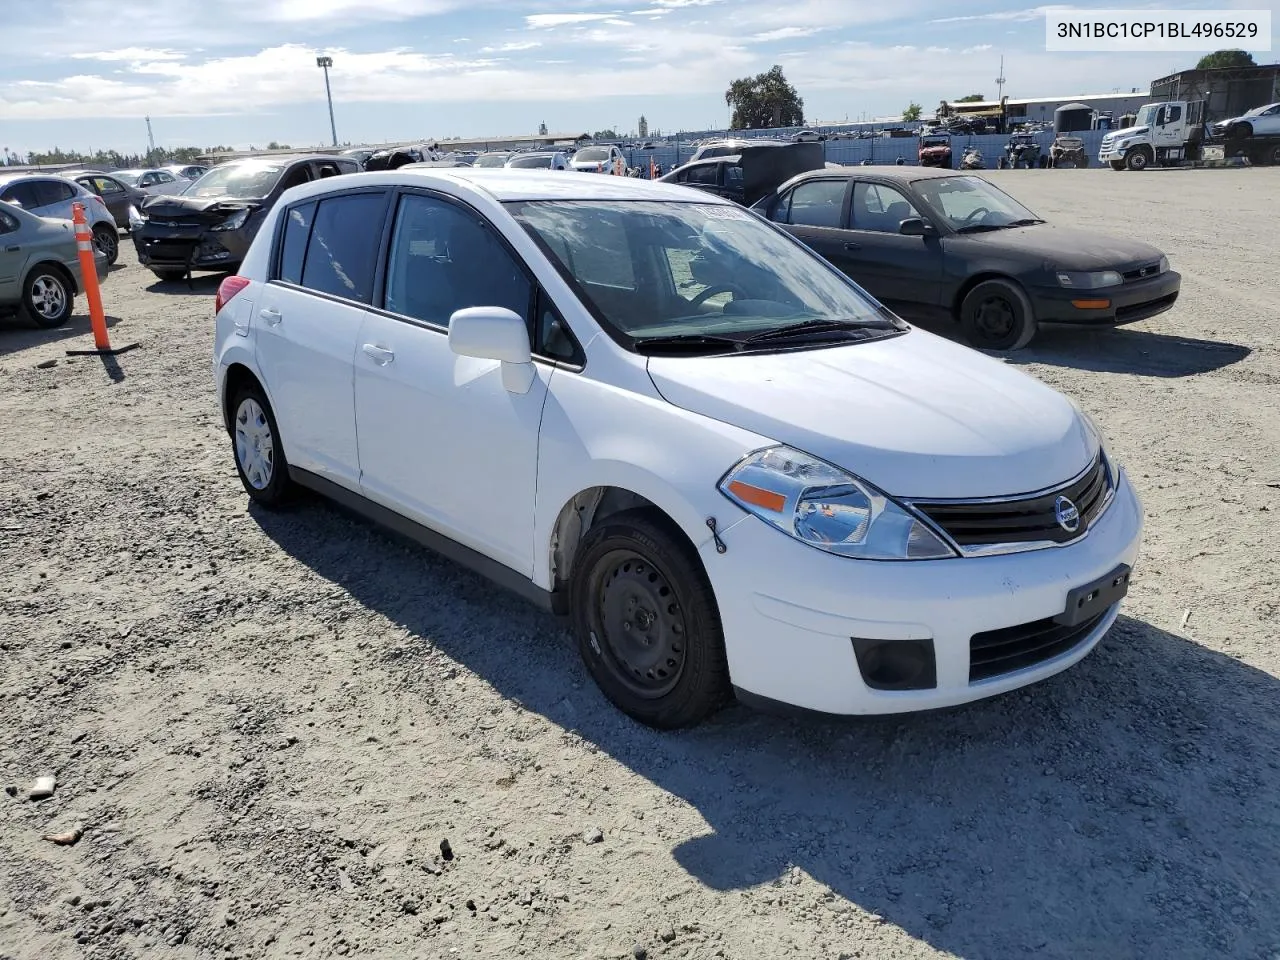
<point x="1175" y="133"/>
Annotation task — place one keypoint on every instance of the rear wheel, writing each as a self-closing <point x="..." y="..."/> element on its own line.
<point x="106" y="240"/>
<point x="646" y="621"/>
<point x="47" y="296"/>
<point x="996" y="315"/>
<point x="255" y="440"/>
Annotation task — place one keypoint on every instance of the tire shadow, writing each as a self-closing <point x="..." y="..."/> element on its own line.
<point x="1129" y="807"/>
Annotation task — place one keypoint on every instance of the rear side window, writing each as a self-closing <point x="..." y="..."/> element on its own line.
<point x="343" y="249"/>
<point x="708" y="175"/>
<point x="293" y="246"/>
<point x="25" y="195"/>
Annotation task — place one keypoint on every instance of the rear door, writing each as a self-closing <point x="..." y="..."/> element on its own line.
<point x="307" y="320"/>
<point x="112" y="193"/>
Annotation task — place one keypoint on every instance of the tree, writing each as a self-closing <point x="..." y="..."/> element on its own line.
<point x="972" y="98"/>
<point x="912" y="112"/>
<point x="765" y="100"/>
<point x="1225" y="58"/>
<point x="609" y="134"/>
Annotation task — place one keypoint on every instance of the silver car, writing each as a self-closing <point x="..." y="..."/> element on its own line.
<point x="538" y="161"/>
<point x="47" y="195"/>
<point x="153" y="180"/>
<point x="40" y="266"/>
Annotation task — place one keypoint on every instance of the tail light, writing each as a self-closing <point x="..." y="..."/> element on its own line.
<point x="227" y="290"/>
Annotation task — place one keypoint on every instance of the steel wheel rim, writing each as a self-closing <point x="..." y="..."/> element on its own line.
<point x="105" y="243"/>
<point x="48" y="297"/>
<point x="1139" y="161"/>
<point x="995" y="318"/>
<point x="638" y="624"/>
<point x="255" y="447"/>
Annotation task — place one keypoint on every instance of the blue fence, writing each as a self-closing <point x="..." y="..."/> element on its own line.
<point x="881" y="149"/>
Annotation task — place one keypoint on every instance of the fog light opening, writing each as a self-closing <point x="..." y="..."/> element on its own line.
<point x="896" y="664"/>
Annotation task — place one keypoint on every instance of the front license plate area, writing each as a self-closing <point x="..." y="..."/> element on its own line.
<point x="1084" y="603"/>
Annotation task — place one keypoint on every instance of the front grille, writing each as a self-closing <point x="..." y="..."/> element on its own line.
<point x="169" y="252"/>
<point x="1141" y="273"/>
<point x="1140" y="311"/>
<point x="996" y="652"/>
<point x="977" y="524"/>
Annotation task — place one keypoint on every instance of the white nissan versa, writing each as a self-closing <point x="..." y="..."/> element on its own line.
<point x="654" y="411"/>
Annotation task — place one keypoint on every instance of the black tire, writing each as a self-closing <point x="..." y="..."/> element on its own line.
<point x="996" y="315"/>
<point x="1117" y="165"/>
<point x="168" y="273"/>
<point x="1137" y="160"/>
<point x="1270" y="156"/>
<point x="106" y="240"/>
<point x="646" y="621"/>
<point x="47" y="296"/>
<point x="263" y="472"/>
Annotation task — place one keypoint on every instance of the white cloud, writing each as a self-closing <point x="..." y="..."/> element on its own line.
<point x="613" y="21"/>
<point x="783" y="33"/>
<point x="1018" y="16"/>
<point x="542" y="21"/>
<point x="130" y="54"/>
<point x="979" y="48"/>
<point x="512" y="47"/>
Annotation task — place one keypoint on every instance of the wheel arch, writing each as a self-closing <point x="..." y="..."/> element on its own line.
<point x="237" y="375"/>
<point x="59" y="268"/>
<point x="982" y="276"/>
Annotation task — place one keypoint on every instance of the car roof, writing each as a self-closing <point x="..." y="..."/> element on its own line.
<point x="15" y="177"/>
<point x="506" y="183"/>
<point x="903" y="174"/>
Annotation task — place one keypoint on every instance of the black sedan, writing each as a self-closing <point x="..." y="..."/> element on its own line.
<point x="937" y="243"/>
<point x="116" y="194"/>
<point x="210" y="225"/>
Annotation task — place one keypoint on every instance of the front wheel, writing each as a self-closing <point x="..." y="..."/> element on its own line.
<point x="169" y="273"/>
<point x="47" y="297"/>
<point x="106" y="240"/>
<point x="255" y="440"/>
<point x="996" y="315"/>
<point x="646" y="621"/>
<point x="1137" y="160"/>
<point x="1117" y="165"/>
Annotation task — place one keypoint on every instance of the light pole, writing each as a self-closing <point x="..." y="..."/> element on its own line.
<point x="325" y="63"/>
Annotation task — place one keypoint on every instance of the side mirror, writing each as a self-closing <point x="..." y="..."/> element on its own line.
<point x="495" y="333"/>
<point x="915" y="227"/>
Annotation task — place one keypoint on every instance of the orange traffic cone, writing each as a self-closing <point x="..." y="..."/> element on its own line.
<point x="92" y="293"/>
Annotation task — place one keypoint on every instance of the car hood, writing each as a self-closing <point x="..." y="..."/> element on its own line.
<point x="1127" y="132"/>
<point x="195" y="209"/>
<point x="935" y="147"/>
<point x="1064" y="248"/>
<point x="916" y="415"/>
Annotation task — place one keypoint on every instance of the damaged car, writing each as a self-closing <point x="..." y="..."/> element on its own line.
<point x="210" y="226"/>
<point x="935" y="150"/>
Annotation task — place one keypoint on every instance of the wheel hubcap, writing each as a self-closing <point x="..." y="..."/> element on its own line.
<point x="640" y="620"/>
<point x="48" y="297"/>
<point x="254" y="446"/>
<point x="995" y="318"/>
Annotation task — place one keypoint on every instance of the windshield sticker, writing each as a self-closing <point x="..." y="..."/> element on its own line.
<point x="726" y="213"/>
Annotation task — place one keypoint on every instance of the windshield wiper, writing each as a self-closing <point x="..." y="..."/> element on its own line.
<point x="680" y="342"/>
<point x="983" y="227"/>
<point x="805" y="327"/>
<point x="1025" y="222"/>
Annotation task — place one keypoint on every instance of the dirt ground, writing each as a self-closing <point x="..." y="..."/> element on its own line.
<point x="267" y="724"/>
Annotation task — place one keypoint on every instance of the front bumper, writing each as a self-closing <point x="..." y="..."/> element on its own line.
<point x="791" y="613"/>
<point x="175" y="246"/>
<point x="1127" y="303"/>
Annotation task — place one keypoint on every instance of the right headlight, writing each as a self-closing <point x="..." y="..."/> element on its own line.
<point x="136" y="218"/>
<point x="828" y="508"/>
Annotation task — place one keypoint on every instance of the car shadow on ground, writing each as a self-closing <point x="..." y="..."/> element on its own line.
<point x="201" y="284"/>
<point x="17" y="332"/>
<point x="1126" y="808"/>
<point x="1115" y="350"/>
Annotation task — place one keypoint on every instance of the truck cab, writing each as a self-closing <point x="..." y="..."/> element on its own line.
<point x="1162" y="134"/>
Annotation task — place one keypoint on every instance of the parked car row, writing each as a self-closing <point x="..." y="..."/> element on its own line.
<point x="646" y="392"/>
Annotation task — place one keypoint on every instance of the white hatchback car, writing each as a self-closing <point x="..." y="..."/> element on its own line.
<point x="654" y="411"/>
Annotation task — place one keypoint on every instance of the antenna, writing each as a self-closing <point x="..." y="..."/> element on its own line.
<point x="1000" y="81"/>
<point x="151" y="141"/>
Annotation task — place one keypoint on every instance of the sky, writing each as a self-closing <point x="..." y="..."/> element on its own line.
<point x="83" y="74"/>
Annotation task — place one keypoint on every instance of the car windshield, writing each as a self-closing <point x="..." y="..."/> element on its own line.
<point x="529" y="162"/>
<point x="492" y="160"/>
<point x="591" y="154"/>
<point x="245" y="181"/>
<point x="1147" y="115"/>
<point x="125" y="176"/>
<point x="695" y="274"/>
<point x="971" y="203"/>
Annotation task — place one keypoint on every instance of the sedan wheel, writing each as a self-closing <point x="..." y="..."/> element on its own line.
<point x="260" y="459"/>
<point x="996" y="315"/>
<point x="47" y="297"/>
<point x="106" y="240"/>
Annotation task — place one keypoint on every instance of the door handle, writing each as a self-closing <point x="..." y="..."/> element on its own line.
<point x="14" y="249"/>
<point x="850" y="245"/>
<point x="379" y="355"/>
<point x="271" y="315"/>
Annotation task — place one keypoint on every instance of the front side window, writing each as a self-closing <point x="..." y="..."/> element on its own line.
<point x="444" y="258"/>
<point x="880" y="208"/>
<point x="343" y="249"/>
<point x="818" y="203"/>
<point x="106" y="187"/>
<point x="711" y="271"/>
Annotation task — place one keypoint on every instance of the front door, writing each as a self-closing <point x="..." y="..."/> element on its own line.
<point x="307" y="321"/>
<point x="815" y="212"/>
<point x="441" y="440"/>
<point x="897" y="269"/>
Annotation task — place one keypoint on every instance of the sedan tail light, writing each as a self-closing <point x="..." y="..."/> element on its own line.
<point x="227" y="290"/>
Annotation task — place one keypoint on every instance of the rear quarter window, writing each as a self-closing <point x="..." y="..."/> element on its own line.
<point x="293" y="241"/>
